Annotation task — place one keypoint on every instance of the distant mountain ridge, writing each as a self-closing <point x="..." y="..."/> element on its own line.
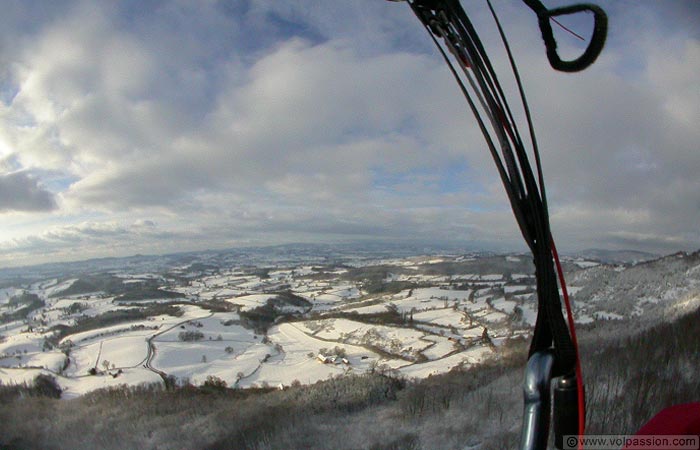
<point x="617" y="256"/>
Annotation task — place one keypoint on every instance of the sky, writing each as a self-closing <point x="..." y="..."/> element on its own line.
<point x="164" y="126"/>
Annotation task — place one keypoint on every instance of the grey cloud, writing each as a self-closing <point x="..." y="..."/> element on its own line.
<point x="20" y="191"/>
<point x="88" y="236"/>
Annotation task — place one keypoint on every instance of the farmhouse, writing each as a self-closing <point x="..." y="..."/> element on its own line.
<point x="332" y="359"/>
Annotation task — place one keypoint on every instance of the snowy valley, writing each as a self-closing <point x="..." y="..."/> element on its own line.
<point x="296" y="315"/>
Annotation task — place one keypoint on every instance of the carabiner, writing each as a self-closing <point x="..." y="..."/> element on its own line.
<point x="536" y="393"/>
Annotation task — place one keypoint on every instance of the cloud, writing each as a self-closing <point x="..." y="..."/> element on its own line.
<point x="619" y="145"/>
<point x="273" y="121"/>
<point x="87" y="239"/>
<point x="309" y="119"/>
<point x="21" y="191"/>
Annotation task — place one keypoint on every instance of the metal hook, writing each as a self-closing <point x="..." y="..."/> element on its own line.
<point x="536" y="393"/>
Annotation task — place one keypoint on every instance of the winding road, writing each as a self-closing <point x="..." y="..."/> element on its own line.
<point x="147" y="363"/>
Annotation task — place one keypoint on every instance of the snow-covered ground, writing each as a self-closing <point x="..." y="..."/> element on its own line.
<point x="431" y="324"/>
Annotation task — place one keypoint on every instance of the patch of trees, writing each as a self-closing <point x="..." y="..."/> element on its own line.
<point x="147" y="293"/>
<point x="217" y="305"/>
<point x="392" y="316"/>
<point x="25" y="298"/>
<point x="213" y="384"/>
<point x="336" y="351"/>
<point x="85" y="323"/>
<point x="25" y="303"/>
<point x="190" y="336"/>
<point x="374" y="287"/>
<point x="282" y="305"/>
<point x="633" y="377"/>
<point x="76" y="308"/>
<point x="203" y="268"/>
<point x="260" y="318"/>
<point x="288" y="298"/>
<point x="92" y="283"/>
<point x="134" y="290"/>
<point x="236" y="418"/>
<point x="262" y="272"/>
<point x="44" y="385"/>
